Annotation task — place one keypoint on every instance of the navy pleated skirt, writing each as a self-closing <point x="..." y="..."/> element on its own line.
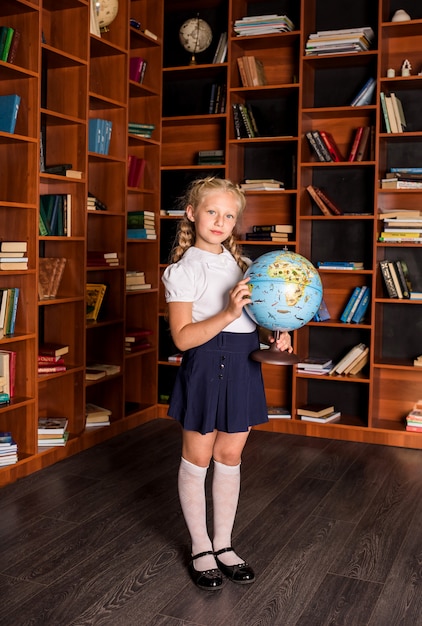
<point x="218" y="386"/>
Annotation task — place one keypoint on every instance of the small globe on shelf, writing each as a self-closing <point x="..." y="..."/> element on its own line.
<point x="286" y="292"/>
<point x="106" y="12"/>
<point x="195" y="35"/>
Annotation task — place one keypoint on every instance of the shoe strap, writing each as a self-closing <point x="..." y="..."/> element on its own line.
<point x="198" y="556"/>
<point x="218" y="552"/>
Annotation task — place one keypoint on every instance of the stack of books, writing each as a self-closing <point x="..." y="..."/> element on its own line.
<point x="342" y="40"/>
<point x="210" y="157"/>
<point x="340" y="265"/>
<point x="141" y="225"/>
<point x="357" y="305"/>
<point x="51" y="358"/>
<point x="352" y="362"/>
<point x="141" y="129"/>
<point x="9" y="298"/>
<point x="96" y="416"/>
<point x="279" y="233"/>
<point x="414" y="418"/>
<point x="402" y="178"/>
<point x="262" y="184"/>
<point x="279" y="412"/>
<point x="263" y="25"/>
<point x="94" y="204"/>
<point x="52" y="431"/>
<point x="395" y="275"/>
<point x="97" y="258"/>
<point x="137" y="339"/>
<point x="402" y="228"/>
<point x="392" y="110"/>
<point x="315" y="365"/>
<point x="319" y="413"/>
<point x="135" y="280"/>
<point x="8" y="449"/>
<point x="323" y="202"/>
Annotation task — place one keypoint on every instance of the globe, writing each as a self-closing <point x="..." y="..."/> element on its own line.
<point x="106" y="12"/>
<point x="286" y="292"/>
<point x="195" y="36"/>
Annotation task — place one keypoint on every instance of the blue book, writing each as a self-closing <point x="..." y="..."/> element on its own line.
<point x="359" y="314"/>
<point x="406" y="170"/>
<point x="94" y="134"/>
<point x="139" y="233"/>
<point x="364" y="95"/>
<point x="348" y="308"/>
<point x="9" y="107"/>
<point x="107" y="135"/>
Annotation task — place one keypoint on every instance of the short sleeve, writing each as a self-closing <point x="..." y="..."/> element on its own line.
<point x="179" y="284"/>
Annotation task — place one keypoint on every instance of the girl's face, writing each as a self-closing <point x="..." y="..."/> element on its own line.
<point x="214" y="218"/>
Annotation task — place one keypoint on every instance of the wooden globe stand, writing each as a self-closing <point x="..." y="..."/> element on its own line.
<point x="273" y="355"/>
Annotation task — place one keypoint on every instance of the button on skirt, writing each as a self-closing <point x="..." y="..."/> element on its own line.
<point x="218" y="386"/>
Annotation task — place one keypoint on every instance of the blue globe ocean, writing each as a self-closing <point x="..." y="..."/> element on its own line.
<point x="286" y="290"/>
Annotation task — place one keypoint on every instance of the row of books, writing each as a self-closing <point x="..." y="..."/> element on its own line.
<point x="342" y="40"/>
<point x="251" y="71"/>
<point x="270" y="232"/>
<point x="50" y="359"/>
<point x="392" y="109"/>
<point x="137" y="339"/>
<point x="55" y="216"/>
<point x="402" y="178"/>
<point x="395" y="275"/>
<point x="402" y="226"/>
<point x="326" y="149"/>
<point x="8" y="373"/>
<point x="244" y="121"/>
<point x="52" y="431"/>
<point x="141" y="225"/>
<point x="413" y="419"/>
<point x="135" y="170"/>
<point x="211" y="157"/>
<point x="135" y="281"/>
<point x="352" y="362"/>
<point x="218" y="98"/>
<point x="319" y="413"/>
<point x="356" y="308"/>
<point x="141" y="129"/>
<point x="9" y="42"/>
<point x="99" y="135"/>
<point x="9" y="298"/>
<point x="262" y="25"/>
<point x="8" y="449"/>
<point x="50" y="275"/>
<point x="137" y="69"/>
<point x="96" y="416"/>
<point x="9" y="108"/>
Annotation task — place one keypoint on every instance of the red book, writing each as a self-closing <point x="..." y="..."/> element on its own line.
<point x="331" y="145"/>
<point x="335" y="210"/>
<point x="363" y="144"/>
<point x="56" y="360"/>
<point x="51" y="368"/>
<point x="53" y="349"/>
<point x="355" y="144"/>
<point x="135" y="68"/>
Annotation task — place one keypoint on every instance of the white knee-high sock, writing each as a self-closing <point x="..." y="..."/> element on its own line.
<point x="225" y="497"/>
<point x="191" y="485"/>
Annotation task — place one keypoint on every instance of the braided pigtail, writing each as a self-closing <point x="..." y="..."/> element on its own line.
<point x="185" y="238"/>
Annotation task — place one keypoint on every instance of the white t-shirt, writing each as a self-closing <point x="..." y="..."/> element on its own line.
<point x="205" y="279"/>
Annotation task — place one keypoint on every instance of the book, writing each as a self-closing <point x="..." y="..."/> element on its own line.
<point x="7" y="42"/>
<point x="334" y="416"/>
<point x="365" y="94"/>
<point x="318" y="201"/>
<point x="315" y="409"/>
<point x="49" y="442"/>
<point x="314" y="362"/>
<point x="363" y="144"/>
<point x="357" y="364"/>
<point x="51" y="348"/>
<point x="393" y="272"/>
<point x="272" y="228"/>
<point x="13" y="246"/>
<point x="385" y="112"/>
<point x="45" y="368"/>
<point x="94" y="410"/>
<point x="92" y="373"/>
<point x="317" y="145"/>
<point x="389" y="284"/>
<point x="398" y="112"/>
<point x="278" y="412"/>
<point x="353" y="304"/>
<point x="52" y="425"/>
<point x="323" y="314"/>
<point x="332" y="206"/>
<point x="362" y="307"/>
<point x="9" y="107"/>
<point x="49" y="276"/>
<point x="348" y="358"/>
<point x="14" y="46"/>
<point x="108" y="368"/>
<point x="401" y="277"/>
<point x="94" y="298"/>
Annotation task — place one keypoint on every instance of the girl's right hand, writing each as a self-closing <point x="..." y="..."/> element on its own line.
<point x="239" y="296"/>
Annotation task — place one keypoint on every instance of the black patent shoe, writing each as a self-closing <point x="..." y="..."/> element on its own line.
<point x="241" y="573"/>
<point x="209" y="579"/>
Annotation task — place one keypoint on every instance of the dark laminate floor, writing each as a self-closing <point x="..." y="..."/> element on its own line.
<point x="333" y="530"/>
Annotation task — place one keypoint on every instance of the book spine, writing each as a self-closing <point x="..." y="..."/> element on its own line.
<point x="402" y="279"/>
<point x="363" y="144"/>
<point x="394" y="276"/>
<point x="328" y="202"/>
<point x="388" y="279"/>
<point x="318" y="201"/>
<point x="385" y="113"/>
<point x="348" y="308"/>
<point x="331" y="146"/>
<point x="355" y="145"/>
<point x="315" y="147"/>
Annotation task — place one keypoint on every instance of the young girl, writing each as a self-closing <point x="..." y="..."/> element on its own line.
<point x="219" y="392"/>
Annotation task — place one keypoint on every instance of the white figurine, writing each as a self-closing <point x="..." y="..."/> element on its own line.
<point x="405" y="68"/>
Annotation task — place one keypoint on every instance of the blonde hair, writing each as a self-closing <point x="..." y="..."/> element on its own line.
<point x="194" y="195"/>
